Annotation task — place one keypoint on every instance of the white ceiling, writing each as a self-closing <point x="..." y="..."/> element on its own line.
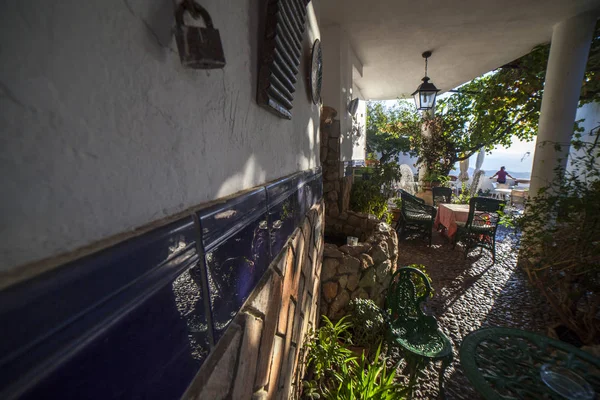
<point x="468" y="37"/>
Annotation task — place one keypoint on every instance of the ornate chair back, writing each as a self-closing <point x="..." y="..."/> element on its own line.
<point x="441" y="195"/>
<point x="484" y="214"/>
<point x="408" y="289"/>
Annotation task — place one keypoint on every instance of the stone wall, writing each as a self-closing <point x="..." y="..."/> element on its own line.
<point x="330" y="160"/>
<point x="350" y="223"/>
<point x="362" y="271"/>
<point x="257" y="357"/>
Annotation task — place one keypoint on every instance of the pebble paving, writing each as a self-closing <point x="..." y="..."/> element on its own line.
<point x="470" y="294"/>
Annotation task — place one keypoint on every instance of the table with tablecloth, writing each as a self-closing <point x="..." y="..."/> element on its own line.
<point x="449" y="214"/>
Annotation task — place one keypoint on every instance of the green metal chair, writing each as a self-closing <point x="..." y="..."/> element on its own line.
<point x="480" y="228"/>
<point x="441" y="195"/>
<point x="410" y="328"/>
<point x="415" y="216"/>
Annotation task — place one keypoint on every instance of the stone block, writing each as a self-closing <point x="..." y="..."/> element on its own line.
<point x="246" y="370"/>
<point x="276" y="361"/>
<point x="291" y="280"/>
<point x="287" y="375"/>
<point x="261" y="296"/>
<point x="368" y="279"/>
<point x="359" y="293"/>
<point x="352" y="282"/>
<point x="331" y="251"/>
<point x="329" y="270"/>
<point x="380" y="252"/>
<point x="343" y="281"/>
<point x="330" y="290"/>
<point x="348" y="230"/>
<point x="332" y="175"/>
<point x="333" y="210"/>
<point x="355" y="250"/>
<point x="286" y="258"/>
<point x="219" y="383"/>
<point x="318" y="230"/>
<point x="298" y="248"/>
<point x="298" y="322"/>
<point x="315" y="311"/>
<point x="355" y="221"/>
<point x="383" y="270"/>
<point x="324" y="152"/>
<point x="316" y="291"/>
<point x="332" y="196"/>
<point x="305" y="311"/>
<point x="269" y="330"/>
<point x="260" y="395"/>
<point x="366" y="261"/>
<point x="340" y="303"/>
<point x="349" y="265"/>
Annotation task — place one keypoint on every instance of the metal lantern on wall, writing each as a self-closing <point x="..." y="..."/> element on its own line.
<point x="426" y="92"/>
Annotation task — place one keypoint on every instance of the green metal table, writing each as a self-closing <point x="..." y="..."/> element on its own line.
<point x="504" y="363"/>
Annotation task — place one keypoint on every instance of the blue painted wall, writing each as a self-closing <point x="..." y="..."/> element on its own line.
<point x="137" y="320"/>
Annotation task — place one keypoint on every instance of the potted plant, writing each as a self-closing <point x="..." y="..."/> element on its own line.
<point x="397" y="209"/>
<point x="434" y="179"/>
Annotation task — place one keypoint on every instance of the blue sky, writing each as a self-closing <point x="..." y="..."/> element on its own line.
<point x="514" y="158"/>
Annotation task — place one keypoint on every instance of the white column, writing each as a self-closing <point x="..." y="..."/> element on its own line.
<point x="569" y="51"/>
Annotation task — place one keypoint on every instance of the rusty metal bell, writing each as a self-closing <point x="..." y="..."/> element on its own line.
<point x="199" y="48"/>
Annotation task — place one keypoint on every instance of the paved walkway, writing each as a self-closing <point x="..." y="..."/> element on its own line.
<point x="470" y="294"/>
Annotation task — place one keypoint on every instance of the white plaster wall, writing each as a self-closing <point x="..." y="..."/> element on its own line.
<point x="103" y="131"/>
<point x="330" y="93"/>
<point x="338" y="62"/>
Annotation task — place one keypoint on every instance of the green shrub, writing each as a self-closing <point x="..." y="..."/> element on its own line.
<point x="368" y="322"/>
<point x="560" y="246"/>
<point x="366" y="197"/>
<point x="367" y="380"/>
<point x="335" y="373"/>
<point x="327" y="352"/>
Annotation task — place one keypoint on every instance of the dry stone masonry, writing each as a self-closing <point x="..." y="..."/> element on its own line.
<point x="258" y="356"/>
<point x="362" y="271"/>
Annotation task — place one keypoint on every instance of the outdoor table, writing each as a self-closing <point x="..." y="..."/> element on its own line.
<point x="502" y="193"/>
<point x="449" y="214"/>
<point x="504" y="363"/>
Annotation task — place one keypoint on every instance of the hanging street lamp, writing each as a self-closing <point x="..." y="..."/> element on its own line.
<point x="426" y="92"/>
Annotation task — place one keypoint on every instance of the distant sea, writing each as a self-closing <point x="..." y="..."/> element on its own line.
<point x="516" y="174"/>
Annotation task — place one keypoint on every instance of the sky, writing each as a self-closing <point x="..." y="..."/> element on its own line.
<point x="516" y="158"/>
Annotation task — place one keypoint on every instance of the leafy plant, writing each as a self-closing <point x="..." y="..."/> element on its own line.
<point x="368" y="322"/>
<point x="363" y="380"/>
<point x="434" y="176"/>
<point x="398" y="203"/>
<point x="419" y="285"/>
<point x="370" y="195"/>
<point x="327" y="352"/>
<point x="464" y="196"/>
<point x="560" y="246"/>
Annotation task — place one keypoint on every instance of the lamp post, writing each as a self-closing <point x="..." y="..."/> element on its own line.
<point x="426" y="92"/>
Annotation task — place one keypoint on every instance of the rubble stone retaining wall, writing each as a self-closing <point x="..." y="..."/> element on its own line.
<point x="258" y="355"/>
<point x="362" y="271"/>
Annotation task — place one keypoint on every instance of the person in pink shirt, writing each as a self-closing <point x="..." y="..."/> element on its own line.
<point x="502" y="174"/>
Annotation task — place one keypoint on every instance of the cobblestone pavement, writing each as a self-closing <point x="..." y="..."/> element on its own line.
<point x="471" y="294"/>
